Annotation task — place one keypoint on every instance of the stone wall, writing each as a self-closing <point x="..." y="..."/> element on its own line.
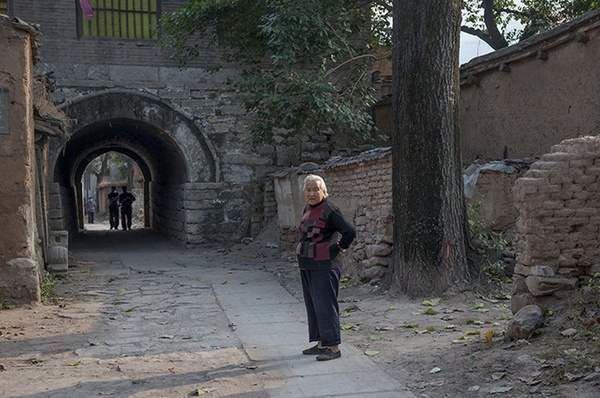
<point x="183" y="126"/>
<point x="361" y="186"/>
<point x="559" y="221"/>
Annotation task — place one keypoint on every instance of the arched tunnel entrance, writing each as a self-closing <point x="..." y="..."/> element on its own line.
<point x="177" y="161"/>
<point x="153" y="150"/>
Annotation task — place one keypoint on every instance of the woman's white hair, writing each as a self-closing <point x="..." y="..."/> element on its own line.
<point x="320" y="183"/>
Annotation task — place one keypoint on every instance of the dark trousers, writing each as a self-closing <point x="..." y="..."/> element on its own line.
<point x="90" y="217"/>
<point x="320" y="290"/>
<point x="126" y="217"/>
<point x="113" y="216"/>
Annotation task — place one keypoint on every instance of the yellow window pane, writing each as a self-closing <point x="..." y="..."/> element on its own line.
<point x="130" y="19"/>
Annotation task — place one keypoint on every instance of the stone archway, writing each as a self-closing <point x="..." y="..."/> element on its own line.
<point x="559" y="223"/>
<point x="179" y="165"/>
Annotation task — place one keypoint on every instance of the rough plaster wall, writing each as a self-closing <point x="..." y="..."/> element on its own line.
<point x="533" y="105"/>
<point x="19" y="250"/>
<point x="559" y="223"/>
<point x="494" y="192"/>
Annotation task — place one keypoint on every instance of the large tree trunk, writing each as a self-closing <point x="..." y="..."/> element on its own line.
<point x="429" y="209"/>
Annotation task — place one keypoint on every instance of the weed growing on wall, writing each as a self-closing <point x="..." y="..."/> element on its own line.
<point x="594" y="282"/>
<point x="489" y="244"/>
<point x="4" y="304"/>
<point x="49" y="280"/>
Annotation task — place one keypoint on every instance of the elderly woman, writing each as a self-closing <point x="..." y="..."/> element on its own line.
<point x="324" y="232"/>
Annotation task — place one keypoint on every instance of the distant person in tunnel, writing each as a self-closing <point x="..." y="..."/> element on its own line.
<point x="126" y="199"/>
<point x="90" y="209"/>
<point x="113" y="208"/>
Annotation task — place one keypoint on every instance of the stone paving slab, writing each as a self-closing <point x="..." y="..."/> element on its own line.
<point x="152" y="319"/>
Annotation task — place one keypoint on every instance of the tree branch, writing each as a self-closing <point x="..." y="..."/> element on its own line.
<point x="497" y="41"/>
<point x="330" y="71"/>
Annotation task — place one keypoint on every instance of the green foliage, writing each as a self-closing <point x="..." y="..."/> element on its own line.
<point x="594" y="282"/>
<point x="486" y="242"/>
<point x="49" y="280"/>
<point x="306" y="64"/>
<point x="5" y="304"/>
<point x="518" y="20"/>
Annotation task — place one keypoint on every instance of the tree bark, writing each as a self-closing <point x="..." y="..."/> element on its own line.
<point x="430" y="224"/>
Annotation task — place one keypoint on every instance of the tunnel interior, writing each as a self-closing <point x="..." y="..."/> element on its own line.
<point x="159" y="158"/>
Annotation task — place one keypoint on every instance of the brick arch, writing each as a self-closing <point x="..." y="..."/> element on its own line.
<point x="178" y="162"/>
<point x="558" y="227"/>
<point x="196" y="150"/>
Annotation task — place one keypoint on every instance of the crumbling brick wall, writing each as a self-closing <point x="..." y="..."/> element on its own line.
<point x="559" y="217"/>
<point x="362" y="187"/>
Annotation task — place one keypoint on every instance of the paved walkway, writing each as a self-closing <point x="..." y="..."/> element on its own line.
<point x="168" y="322"/>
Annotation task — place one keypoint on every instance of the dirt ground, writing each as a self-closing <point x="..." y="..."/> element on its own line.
<point x="451" y="346"/>
<point x="454" y="346"/>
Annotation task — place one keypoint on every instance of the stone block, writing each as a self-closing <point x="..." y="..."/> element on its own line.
<point x="543" y="286"/>
<point x="380" y="250"/>
<point x="524" y="323"/>
<point x="541" y="270"/>
<point x="377" y="261"/>
<point x="371" y="274"/>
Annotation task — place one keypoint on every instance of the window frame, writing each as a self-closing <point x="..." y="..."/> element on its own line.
<point x="120" y="13"/>
<point x="8" y="7"/>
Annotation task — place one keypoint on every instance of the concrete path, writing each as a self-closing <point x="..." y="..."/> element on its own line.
<point x="171" y="322"/>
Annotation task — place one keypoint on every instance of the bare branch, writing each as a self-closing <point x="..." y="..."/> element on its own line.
<point x="353" y="59"/>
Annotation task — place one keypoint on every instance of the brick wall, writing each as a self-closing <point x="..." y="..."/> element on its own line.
<point x="361" y="186"/>
<point x="60" y="43"/>
<point x="559" y="219"/>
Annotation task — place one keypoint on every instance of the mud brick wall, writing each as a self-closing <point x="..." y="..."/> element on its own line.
<point x="558" y="201"/>
<point x="494" y="192"/>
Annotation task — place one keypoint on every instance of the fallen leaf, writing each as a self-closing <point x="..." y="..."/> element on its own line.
<point x="351" y="308"/>
<point x="391" y="307"/>
<point x="435" y="370"/>
<point x="430" y="329"/>
<point x="371" y="353"/>
<point x="344" y="315"/>
<point x="498" y="375"/>
<point x="383" y="328"/>
<point x="473" y="333"/>
<point x="75" y="363"/>
<point x="569" y="332"/>
<point x="489" y="334"/>
<point x="409" y="325"/>
<point x="475" y="322"/>
<point x="127" y="309"/>
<point x="430" y="312"/>
<point x="375" y="337"/>
<point x="431" y="303"/>
<point x="171" y="370"/>
<point x="251" y="367"/>
<point x="349" y="326"/>
<point x="224" y="281"/>
<point x="167" y="336"/>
